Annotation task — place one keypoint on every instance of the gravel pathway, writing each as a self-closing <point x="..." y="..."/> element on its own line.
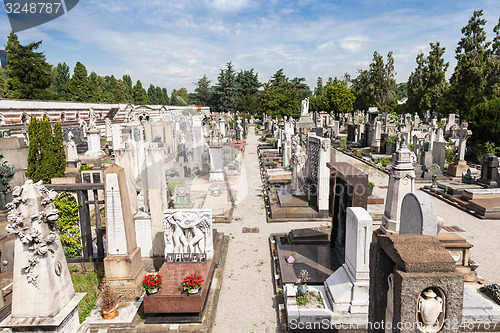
<point x="247" y="301"/>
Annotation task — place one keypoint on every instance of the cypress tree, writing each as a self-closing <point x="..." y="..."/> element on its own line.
<point x="139" y="94"/>
<point x="34" y="148"/>
<point x="48" y="162"/>
<point x="59" y="151"/>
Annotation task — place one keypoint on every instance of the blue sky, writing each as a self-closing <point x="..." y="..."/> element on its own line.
<point x="173" y="43"/>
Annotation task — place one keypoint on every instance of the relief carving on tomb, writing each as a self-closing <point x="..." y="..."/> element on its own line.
<point x="188" y="231"/>
<point x="430" y="310"/>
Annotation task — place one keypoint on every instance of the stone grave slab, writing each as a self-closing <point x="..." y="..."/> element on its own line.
<point x="172" y="298"/>
<point x="490" y="193"/>
<point x="317" y="259"/>
<point x="487" y="208"/>
<point x="316" y="235"/>
<point x="456" y="188"/>
<point x="286" y="199"/>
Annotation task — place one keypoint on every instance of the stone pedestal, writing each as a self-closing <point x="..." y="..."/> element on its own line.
<point x="123" y="266"/>
<point x="406" y="273"/>
<point x="457" y="169"/>
<point x="94" y="141"/>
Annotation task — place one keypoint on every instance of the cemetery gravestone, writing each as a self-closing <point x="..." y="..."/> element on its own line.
<point x="43" y="295"/>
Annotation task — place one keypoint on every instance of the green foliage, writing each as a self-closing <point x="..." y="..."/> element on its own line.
<point x="85" y="167"/>
<point x="68" y="224"/>
<point x="280" y="97"/>
<point x="86" y="282"/>
<point x="45" y="153"/>
<point x="468" y="82"/>
<point x="392" y="139"/>
<point x="371" y="185"/>
<point x="376" y="86"/>
<point x="383" y="160"/>
<point x="225" y="93"/>
<point x="427" y="84"/>
<point x="492" y="290"/>
<point x="484" y="121"/>
<point x="338" y="98"/>
<point x="139" y="94"/>
<point x="450" y="153"/>
<point x="60" y="155"/>
<point x="79" y="86"/>
<point x="203" y="91"/>
<point x="302" y="300"/>
<point x="29" y="74"/>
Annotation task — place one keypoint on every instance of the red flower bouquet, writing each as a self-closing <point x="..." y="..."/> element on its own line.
<point x="192" y="283"/>
<point x="152" y="283"/>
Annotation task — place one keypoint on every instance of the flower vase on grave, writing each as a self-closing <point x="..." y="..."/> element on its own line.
<point x="302" y="289"/>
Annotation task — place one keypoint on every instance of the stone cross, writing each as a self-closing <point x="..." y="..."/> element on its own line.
<point x="463" y="135"/>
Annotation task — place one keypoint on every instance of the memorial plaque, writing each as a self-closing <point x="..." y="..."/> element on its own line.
<point x="117" y="243"/>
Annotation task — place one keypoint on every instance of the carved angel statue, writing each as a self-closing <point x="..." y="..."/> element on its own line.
<point x="304" y="109"/>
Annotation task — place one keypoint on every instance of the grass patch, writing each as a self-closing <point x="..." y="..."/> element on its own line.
<point x="86" y="282"/>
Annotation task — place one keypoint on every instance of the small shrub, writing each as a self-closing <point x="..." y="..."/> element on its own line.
<point x="67" y="224"/>
<point x="302" y="300"/>
<point x="391" y="139"/>
<point x="383" y="160"/>
<point x="85" y="167"/>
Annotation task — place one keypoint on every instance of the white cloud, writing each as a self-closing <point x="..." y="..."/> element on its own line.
<point x="353" y="44"/>
<point x="229" y="5"/>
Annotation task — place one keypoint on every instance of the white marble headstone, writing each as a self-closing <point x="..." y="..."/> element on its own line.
<point x="117" y="242"/>
<point x="418" y="215"/>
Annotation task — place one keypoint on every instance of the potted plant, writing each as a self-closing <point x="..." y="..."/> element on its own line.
<point x="371" y="186"/>
<point x="302" y="282"/>
<point x="109" y="299"/>
<point x="152" y="283"/>
<point x="192" y="283"/>
<point x="472" y="264"/>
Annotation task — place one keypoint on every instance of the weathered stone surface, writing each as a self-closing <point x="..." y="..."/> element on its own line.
<point x="417" y="253"/>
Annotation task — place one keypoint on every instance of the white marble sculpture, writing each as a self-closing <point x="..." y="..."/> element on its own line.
<point x="188" y="231"/>
<point x="304" y="108"/>
<point x="299" y="158"/>
<point x="92" y="119"/>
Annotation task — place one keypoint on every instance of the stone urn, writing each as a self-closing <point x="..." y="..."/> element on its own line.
<point x="430" y="306"/>
<point x="302" y="289"/>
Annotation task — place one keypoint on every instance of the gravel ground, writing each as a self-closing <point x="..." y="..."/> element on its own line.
<point x="247" y="302"/>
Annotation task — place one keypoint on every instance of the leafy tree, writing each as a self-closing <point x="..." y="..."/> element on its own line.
<point x="225" y="93"/>
<point x="302" y="88"/>
<point x="338" y="98"/>
<point x="61" y="81"/>
<point x="278" y="78"/>
<point x="164" y="96"/>
<point x="316" y="101"/>
<point x="493" y="79"/>
<point x="279" y="100"/>
<point x="139" y="94"/>
<point x="203" y="91"/>
<point x="3" y="84"/>
<point x="128" y="82"/>
<point x="484" y="116"/>
<point x="58" y="147"/>
<point x="402" y="90"/>
<point x="153" y="99"/>
<point x="29" y="74"/>
<point x="68" y="224"/>
<point x="248" y="90"/>
<point x="180" y="96"/>
<point x="80" y="88"/>
<point x="377" y="85"/>
<point x="468" y="82"/>
<point x="45" y="159"/>
<point x="427" y="84"/>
